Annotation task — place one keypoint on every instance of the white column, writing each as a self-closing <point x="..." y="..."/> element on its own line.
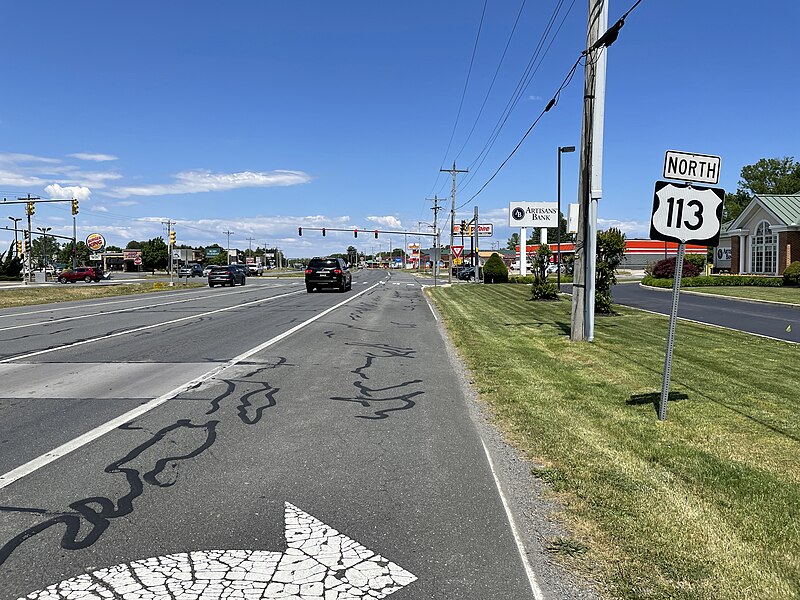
<point x="742" y="253"/>
<point x="543" y="235"/>
<point x="523" y="251"/>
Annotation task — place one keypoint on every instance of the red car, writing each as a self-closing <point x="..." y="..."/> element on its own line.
<point x="86" y="274"/>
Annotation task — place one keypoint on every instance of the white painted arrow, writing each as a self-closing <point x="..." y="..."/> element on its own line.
<point x="319" y="564"/>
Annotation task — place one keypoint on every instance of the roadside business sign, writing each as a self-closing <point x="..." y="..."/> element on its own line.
<point x="686" y="214"/>
<point x="213" y="251"/>
<point x="484" y="229"/>
<point x="533" y="214"/>
<point x="131" y="254"/>
<point x="95" y="242"/>
<point x="685" y="166"/>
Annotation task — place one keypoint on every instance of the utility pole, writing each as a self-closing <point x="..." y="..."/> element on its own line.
<point x="168" y="223"/>
<point x="590" y="180"/>
<point x="436" y="250"/>
<point x="228" y="233"/>
<point x="452" y="172"/>
<point x="476" y="262"/>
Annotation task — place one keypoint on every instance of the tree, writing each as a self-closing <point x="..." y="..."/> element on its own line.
<point x="512" y="242"/>
<point x="155" y="254"/>
<point x="81" y="255"/>
<point x="542" y="290"/>
<point x="610" y="253"/>
<point x="112" y="249"/>
<point x="767" y="176"/>
<point x="495" y="270"/>
<point x="134" y="245"/>
<point x="10" y="265"/>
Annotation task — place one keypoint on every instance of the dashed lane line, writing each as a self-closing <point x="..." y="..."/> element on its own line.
<point x="45" y="459"/>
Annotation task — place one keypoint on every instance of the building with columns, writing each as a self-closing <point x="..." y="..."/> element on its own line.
<point x="764" y="239"/>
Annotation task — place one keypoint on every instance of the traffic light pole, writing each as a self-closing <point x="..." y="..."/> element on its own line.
<point x="29" y="250"/>
<point x="74" y="242"/>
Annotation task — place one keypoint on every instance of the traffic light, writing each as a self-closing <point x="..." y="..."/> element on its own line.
<point x="172" y="237"/>
<point x="376" y="234"/>
<point x="300" y="231"/>
<point x="74" y="206"/>
<point x="27" y="235"/>
<point x="355" y="232"/>
<point x="20" y="251"/>
<point x="30" y="208"/>
<point x="323" y="232"/>
<point x="463" y="226"/>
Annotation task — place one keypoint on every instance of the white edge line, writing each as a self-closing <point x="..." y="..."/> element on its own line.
<point x="537" y="592"/>
<point x="45" y="459"/>
<point x="430" y="306"/>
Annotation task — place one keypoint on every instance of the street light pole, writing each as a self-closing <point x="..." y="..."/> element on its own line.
<point x="561" y="150"/>
<point x="16" y="241"/>
<point x="44" y="231"/>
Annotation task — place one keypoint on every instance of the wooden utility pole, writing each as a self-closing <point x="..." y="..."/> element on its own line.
<point x="436" y="250"/>
<point x="453" y="172"/>
<point x="590" y="179"/>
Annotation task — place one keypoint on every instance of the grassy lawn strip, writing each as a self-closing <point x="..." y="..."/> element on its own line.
<point x="788" y="295"/>
<point x="46" y="295"/>
<point x="704" y="505"/>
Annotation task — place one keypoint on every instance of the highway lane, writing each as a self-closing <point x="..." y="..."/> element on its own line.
<point x="351" y="428"/>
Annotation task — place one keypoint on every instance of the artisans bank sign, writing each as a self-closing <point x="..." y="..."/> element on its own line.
<point x="532" y="214"/>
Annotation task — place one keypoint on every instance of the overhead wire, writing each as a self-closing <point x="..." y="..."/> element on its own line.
<point x="603" y="42"/>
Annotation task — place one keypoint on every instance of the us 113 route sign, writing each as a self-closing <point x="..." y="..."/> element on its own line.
<point x="686" y="214"/>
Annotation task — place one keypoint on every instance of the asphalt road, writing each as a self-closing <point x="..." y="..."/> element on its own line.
<point x="762" y="318"/>
<point x="284" y="444"/>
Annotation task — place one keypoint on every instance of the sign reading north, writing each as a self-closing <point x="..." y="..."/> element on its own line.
<point x="95" y="242"/>
<point x="319" y="564"/>
<point x="684" y="166"/>
<point x="686" y="214"/>
<point x="533" y="214"/>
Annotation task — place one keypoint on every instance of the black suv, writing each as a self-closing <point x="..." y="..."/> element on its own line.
<point x="328" y="272"/>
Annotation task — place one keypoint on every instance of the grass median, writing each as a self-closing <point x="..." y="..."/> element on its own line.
<point x="26" y="296"/>
<point x="703" y="505"/>
<point x="787" y="295"/>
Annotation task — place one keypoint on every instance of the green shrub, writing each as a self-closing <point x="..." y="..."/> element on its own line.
<point x="610" y="254"/>
<point x="698" y="260"/>
<point x="665" y="269"/>
<point x="495" y="270"/>
<point x="527" y="280"/>
<point x="791" y="276"/>
<point x="544" y="291"/>
<point x="716" y="280"/>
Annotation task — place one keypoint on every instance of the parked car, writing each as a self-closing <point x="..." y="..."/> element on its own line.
<point x="328" y="272"/>
<point x="226" y="275"/>
<point x="466" y="273"/>
<point x="86" y="274"/>
<point x="190" y="271"/>
<point x="255" y="269"/>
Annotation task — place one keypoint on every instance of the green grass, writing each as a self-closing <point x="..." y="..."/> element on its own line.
<point x="703" y="505"/>
<point x="27" y="296"/>
<point x="778" y="294"/>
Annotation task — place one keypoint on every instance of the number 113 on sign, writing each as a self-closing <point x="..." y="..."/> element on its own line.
<point x="686" y="214"/>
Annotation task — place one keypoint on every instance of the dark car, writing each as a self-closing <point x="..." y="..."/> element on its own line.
<point x="227" y="275"/>
<point x="86" y="274"/>
<point x="466" y="273"/>
<point x="328" y="272"/>
<point x="194" y="270"/>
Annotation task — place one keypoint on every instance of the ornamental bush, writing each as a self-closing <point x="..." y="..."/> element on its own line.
<point x="791" y="276"/>
<point x="698" y="260"/>
<point x="665" y="269"/>
<point x="495" y="270"/>
<point x="716" y="280"/>
<point x="610" y="254"/>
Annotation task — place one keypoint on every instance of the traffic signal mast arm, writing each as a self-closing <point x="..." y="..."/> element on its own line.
<point x="300" y="231"/>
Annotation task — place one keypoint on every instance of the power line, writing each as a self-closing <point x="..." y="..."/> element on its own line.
<point x="608" y="38"/>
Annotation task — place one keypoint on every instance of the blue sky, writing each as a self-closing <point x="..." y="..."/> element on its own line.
<point x="259" y="117"/>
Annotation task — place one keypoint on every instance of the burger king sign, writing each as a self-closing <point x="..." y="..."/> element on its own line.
<point x="95" y="242"/>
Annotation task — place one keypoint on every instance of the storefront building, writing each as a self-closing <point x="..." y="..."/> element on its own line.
<point x="765" y="238"/>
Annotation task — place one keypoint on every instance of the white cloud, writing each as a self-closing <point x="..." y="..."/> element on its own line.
<point x="387" y="221"/>
<point x="15" y="179"/>
<point x="192" y="182"/>
<point x="16" y="157"/>
<point x="536" y="98"/>
<point x="93" y="157"/>
<point x="100" y="208"/>
<point x="54" y="190"/>
<point x="636" y="229"/>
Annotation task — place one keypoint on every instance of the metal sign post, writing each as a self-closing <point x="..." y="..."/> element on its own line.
<point x="673" y="317"/>
<point x="684" y="213"/>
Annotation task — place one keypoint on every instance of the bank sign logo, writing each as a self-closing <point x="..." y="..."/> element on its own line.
<point x="533" y="214"/>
